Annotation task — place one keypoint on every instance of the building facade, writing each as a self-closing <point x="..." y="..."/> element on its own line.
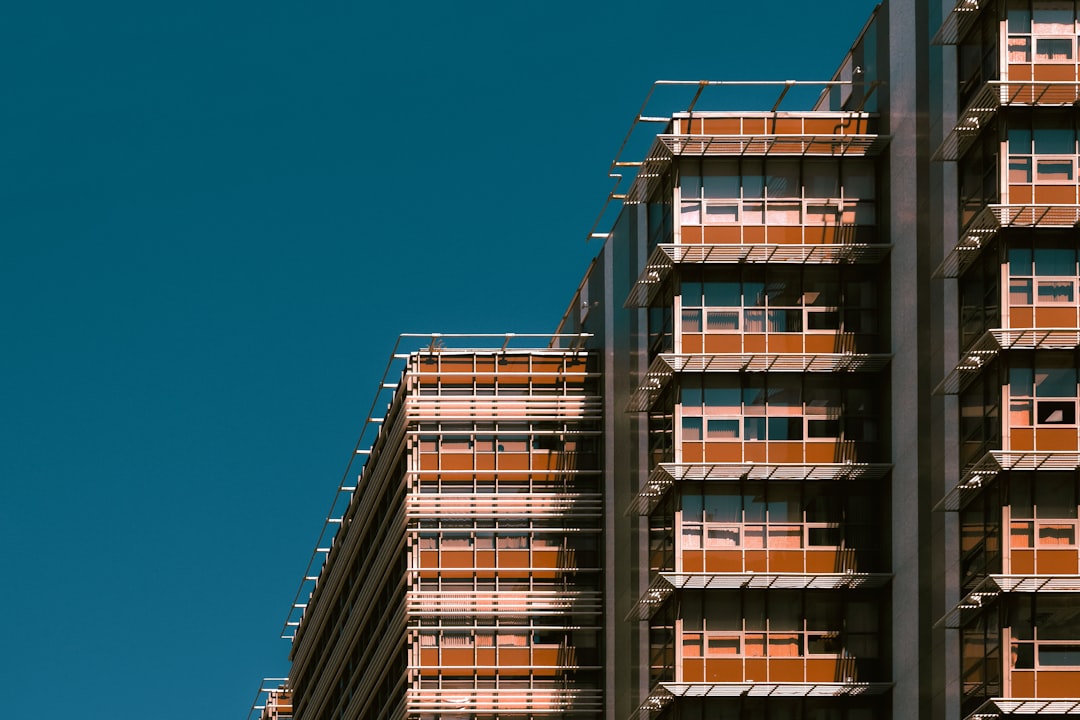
<point x="805" y="445"/>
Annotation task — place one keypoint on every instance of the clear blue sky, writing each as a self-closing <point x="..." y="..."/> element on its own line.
<point x="215" y="218"/>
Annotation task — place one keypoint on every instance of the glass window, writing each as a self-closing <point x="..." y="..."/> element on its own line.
<point x="822" y="179"/>
<point x="858" y="180"/>
<point x="1052" y="18"/>
<point x="753" y="179"/>
<point x="692" y="429"/>
<point x="782" y="179"/>
<point x="1054" y="261"/>
<point x="1053" y="49"/>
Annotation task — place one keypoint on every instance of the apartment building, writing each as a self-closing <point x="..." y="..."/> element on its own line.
<point x="804" y="445"/>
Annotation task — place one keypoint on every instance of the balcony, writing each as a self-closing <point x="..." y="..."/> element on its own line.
<point x="991" y="219"/>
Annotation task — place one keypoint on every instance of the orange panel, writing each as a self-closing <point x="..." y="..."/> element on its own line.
<point x="544" y="460"/>
<point x="1053" y="194"/>
<point x="1055" y="683"/>
<point x="722" y="235"/>
<point x="753" y="126"/>
<point x="1055" y="317"/>
<point x="784" y="342"/>
<point x="429" y="461"/>
<point x="753" y="343"/>
<point x="722" y="126"/>
<point x="1055" y="562"/>
<point x="823" y="670"/>
<point x="786" y="561"/>
<point x="693" y="452"/>
<point x="787" y="126"/>
<point x="692" y="561"/>
<point x="756" y="670"/>
<point x="693" y="670"/>
<point x="718" y="561"/>
<point x="723" y="670"/>
<point x="822" y="126"/>
<point x="1023" y="683"/>
<point x="513" y="559"/>
<point x="546" y="558"/>
<point x="457" y="559"/>
<point x="1020" y="194"/>
<point x="513" y="656"/>
<point x="822" y="343"/>
<point x="548" y="656"/>
<point x="756" y="561"/>
<point x="1022" y="439"/>
<point x="784" y="451"/>
<point x="458" y="656"/>
<point x="1054" y="72"/>
<point x="785" y="670"/>
<point x="785" y="234"/>
<point x="429" y="657"/>
<point x="1055" y="438"/>
<point x="457" y="461"/>
<point x="1019" y="72"/>
<point x="754" y="451"/>
<point x="691" y="342"/>
<point x="429" y="558"/>
<point x="720" y="452"/>
<point x="485" y="656"/>
<point x="822" y="451"/>
<point x="1022" y="562"/>
<point x="485" y="461"/>
<point x="691" y="234"/>
<point x="754" y="234"/>
<point x="513" y="461"/>
<point x="822" y="561"/>
<point x="721" y="343"/>
<point x="1021" y="317"/>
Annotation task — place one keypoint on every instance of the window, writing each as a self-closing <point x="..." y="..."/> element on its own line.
<point x="1042" y="276"/>
<point x="1044" y="512"/>
<point x="1043" y="396"/>
<point x="1049" y="26"/>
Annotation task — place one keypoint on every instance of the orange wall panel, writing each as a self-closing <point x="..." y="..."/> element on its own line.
<point x="1023" y="683"/>
<point x="756" y="670"/>
<point x="786" y="561"/>
<point x="1020" y="194"/>
<point x="823" y="451"/>
<point x="1054" y="72"/>
<point x="693" y="670"/>
<point x="823" y="561"/>
<point x="784" y="451"/>
<point x="823" y="670"/>
<point x="754" y="234"/>
<point x="692" y="342"/>
<point x="1021" y="317"/>
<point x="1053" y="194"/>
<point x="756" y="561"/>
<point x="458" y="657"/>
<point x="693" y="561"/>
<point x="1019" y="72"/>
<point x="753" y="343"/>
<point x="457" y="461"/>
<point x="693" y="452"/>
<point x="513" y="558"/>
<point x="513" y="461"/>
<point x="785" y="234"/>
<point x="754" y="451"/>
<point x="723" y="670"/>
<point x="1055" y="562"/>
<point x="786" y="670"/>
<point x="1055" y="438"/>
<point x="722" y="126"/>
<point x="1055" y="317"/>
<point x="721" y="561"/>
<point x="722" y="235"/>
<point x="722" y="452"/>
<point x="722" y="343"/>
<point x="1022" y="562"/>
<point x="1056" y="683"/>
<point x="1021" y="439"/>
<point x="691" y="234"/>
<point x="513" y="656"/>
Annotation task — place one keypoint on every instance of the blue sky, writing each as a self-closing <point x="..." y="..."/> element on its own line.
<point x="217" y="217"/>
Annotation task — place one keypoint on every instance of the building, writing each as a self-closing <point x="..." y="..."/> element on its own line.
<point x="804" y="445"/>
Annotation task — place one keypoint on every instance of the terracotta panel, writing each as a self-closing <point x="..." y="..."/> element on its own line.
<point x="429" y="461"/>
<point x="754" y="451"/>
<point x="722" y="235"/>
<point x="513" y="461"/>
<point x="722" y="126"/>
<point x="513" y="656"/>
<point x="720" y="561"/>
<point x="1053" y="194"/>
<point x="721" y="343"/>
<point x="723" y="670"/>
<point x="823" y="343"/>
<point x="823" y="670"/>
<point x="753" y="343"/>
<point x="753" y="126"/>
<point x="1055" y="438"/>
<point x="693" y="670"/>
<point x="691" y="234"/>
<point x="822" y="126"/>
<point x="1023" y="683"/>
<point x="787" y="561"/>
<point x="691" y="342"/>
<point x="1022" y="562"/>
<point x="1021" y="317"/>
<point x="1055" y="562"/>
<point x="784" y="451"/>
<point x="822" y="561"/>
<point x="784" y="342"/>
<point x="1055" y="683"/>
<point x="822" y="451"/>
<point x="1054" y="72"/>
<point x="755" y="670"/>
<point x="785" y="234"/>
<point x="1020" y="194"/>
<point x="458" y="656"/>
<point x="756" y="561"/>
<point x="513" y="558"/>
<point x="485" y="656"/>
<point x="457" y="461"/>
<point x="721" y="452"/>
<point x="1019" y="72"/>
<point x="1055" y="317"/>
<point x="693" y="561"/>
<point x="546" y="656"/>
<point x="429" y="558"/>
<point x="693" y="452"/>
<point x="785" y="670"/>
<point x="754" y="234"/>
<point x="429" y="657"/>
<point x="1021" y="439"/>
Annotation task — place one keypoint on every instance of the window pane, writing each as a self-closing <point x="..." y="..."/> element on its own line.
<point x="1059" y="655"/>
<point x="1058" y="170"/>
<point x="724" y="293"/>
<point x="785" y="321"/>
<point x="691" y="321"/>
<point x="691" y="213"/>
<point x="720" y="321"/>
<point x="1055" y="261"/>
<point x="723" y="507"/>
<point x="1052" y="18"/>
<point x="1053" y="49"/>
<point x="822" y="179"/>
<point x="753" y="428"/>
<point x="782" y="179"/>
<point x="1019" y="50"/>
<point x="722" y="186"/>
<point x="1019" y="141"/>
<point x="858" y="180"/>
<point x="691" y="508"/>
<point x="691" y="427"/>
<point x="1020" y="292"/>
<point x="1055" y="382"/>
<point x="721" y="214"/>
<point x="722" y="393"/>
<point x="1019" y="170"/>
<point x="1057" y="617"/>
<point x="783" y="428"/>
<point x="754" y="321"/>
<point x="1053" y="412"/>
<point x="1055" y="291"/>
